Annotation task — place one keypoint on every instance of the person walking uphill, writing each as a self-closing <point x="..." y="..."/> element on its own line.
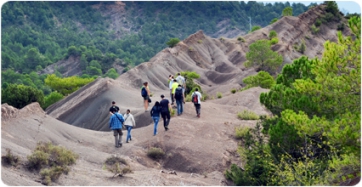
<point x="155" y="114"/>
<point x="129" y="123"/>
<point x="113" y="108"/>
<point x="181" y="81"/>
<point x="174" y="86"/>
<point x="116" y="124"/>
<point x="170" y="86"/>
<point x="179" y="97"/>
<point x="196" y="99"/>
<point x="165" y="111"/>
<point x="145" y="92"/>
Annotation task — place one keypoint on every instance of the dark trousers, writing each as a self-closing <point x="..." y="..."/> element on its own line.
<point x="172" y="99"/>
<point x="198" y="108"/>
<point x="166" y="118"/>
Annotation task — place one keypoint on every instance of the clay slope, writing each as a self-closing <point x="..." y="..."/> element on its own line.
<point x="198" y="149"/>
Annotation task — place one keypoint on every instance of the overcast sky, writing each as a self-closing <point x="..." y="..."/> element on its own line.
<point x="343" y="6"/>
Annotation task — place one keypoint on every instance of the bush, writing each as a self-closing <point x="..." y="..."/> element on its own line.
<point x="272" y="34"/>
<point x="247" y="115"/>
<point x="273" y="20"/>
<point x="173" y="42"/>
<point x="314" y="29"/>
<point x="9" y="158"/>
<point x="114" y="163"/>
<point x="274" y="41"/>
<point x="262" y="79"/>
<point x="199" y="41"/>
<point x="241" y="39"/>
<point x="233" y="90"/>
<point x="254" y="28"/>
<point x="52" y="160"/>
<point x="155" y="153"/>
<point x="19" y="96"/>
<point x="241" y="132"/>
<point x="52" y="98"/>
<point x="219" y="95"/>
<point x="318" y="23"/>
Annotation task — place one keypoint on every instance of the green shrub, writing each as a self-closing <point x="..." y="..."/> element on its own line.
<point x="272" y="34"/>
<point x="115" y="159"/>
<point x="318" y="23"/>
<point x="262" y="79"/>
<point x="273" y="20"/>
<point x="314" y="29"/>
<point x="9" y="158"/>
<point x="302" y="47"/>
<point x="173" y="42"/>
<point x="241" y="39"/>
<point x="247" y="115"/>
<point x="219" y="95"/>
<point x="233" y="90"/>
<point x="52" y="98"/>
<point x="188" y="98"/>
<point x="204" y="97"/>
<point x="254" y="28"/>
<point x="199" y="41"/>
<point x="274" y="41"/>
<point x="155" y="153"/>
<point x="241" y="132"/>
<point x="52" y="174"/>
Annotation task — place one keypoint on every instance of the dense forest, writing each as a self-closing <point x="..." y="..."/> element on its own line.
<point x="39" y="33"/>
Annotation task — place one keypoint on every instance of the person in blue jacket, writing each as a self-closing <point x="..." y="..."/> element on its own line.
<point x="116" y="124"/>
<point x="155" y="114"/>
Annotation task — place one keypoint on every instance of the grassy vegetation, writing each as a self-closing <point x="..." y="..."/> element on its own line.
<point x="233" y="90"/>
<point x="241" y="132"/>
<point x="51" y="160"/>
<point x="155" y="153"/>
<point x="247" y="115"/>
<point x="117" y="165"/>
<point x="10" y="159"/>
<point x="219" y="95"/>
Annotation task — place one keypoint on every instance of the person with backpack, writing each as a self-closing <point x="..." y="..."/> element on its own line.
<point x="155" y="114"/>
<point x="145" y="92"/>
<point x="129" y="123"/>
<point x="174" y="86"/>
<point x="171" y="81"/>
<point x="165" y="111"/>
<point x="113" y="108"/>
<point x="181" y="81"/>
<point x="116" y="124"/>
<point x="179" y="97"/>
<point x="196" y="99"/>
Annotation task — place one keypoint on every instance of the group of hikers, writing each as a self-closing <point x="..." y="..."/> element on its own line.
<point x="161" y="108"/>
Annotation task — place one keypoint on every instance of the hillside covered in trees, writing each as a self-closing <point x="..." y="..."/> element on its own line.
<point x="103" y="34"/>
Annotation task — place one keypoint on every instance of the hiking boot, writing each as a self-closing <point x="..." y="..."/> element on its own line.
<point x="166" y="128"/>
<point x="120" y="145"/>
<point x="126" y="141"/>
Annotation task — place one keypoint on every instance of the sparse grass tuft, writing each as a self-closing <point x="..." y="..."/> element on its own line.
<point x="204" y="97"/>
<point x="188" y="98"/>
<point x="9" y="158"/>
<point x="219" y="95"/>
<point x="247" y="115"/>
<point x="233" y="90"/>
<point x="51" y="160"/>
<point x="155" y="153"/>
<point x="114" y="163"/>
<point x="241" y="39"/>
<point x="199" y="41"/>
<point x="241" y="132"/>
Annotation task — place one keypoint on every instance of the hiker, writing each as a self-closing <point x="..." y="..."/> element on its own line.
<point x="129" y="123"/>
<point x="165" y="111"/>
<point x="145" y="92"/>
<point x="179" y="97"/>
<point x="170" y="86"/>
<point x="174" y="86"/>
<point x="196" y="99"/>
<point x="116" y="124"/>
<point x="155" y="114"/>
<point x="182" y="81"/>
<point x="113" y="108"/>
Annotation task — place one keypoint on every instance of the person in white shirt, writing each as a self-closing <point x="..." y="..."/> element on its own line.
<point x="129" y="124"/>
<point x="197" y="103"/>
<point x="170" y="86"/>
<point x="181" y="81"/>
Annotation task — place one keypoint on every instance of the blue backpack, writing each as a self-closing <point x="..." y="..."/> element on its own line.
<point x="143" y="92"/>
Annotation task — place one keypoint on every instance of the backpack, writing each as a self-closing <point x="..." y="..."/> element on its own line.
<point x="194" y="98"/>
<point x="178" y="93"/>
<point x="143" y="92"/>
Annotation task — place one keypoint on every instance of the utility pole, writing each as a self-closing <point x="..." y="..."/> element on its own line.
<point x="250" y="23"/>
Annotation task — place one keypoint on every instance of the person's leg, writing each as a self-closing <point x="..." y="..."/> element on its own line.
<point x="172" y="101"/>
<point x="116" y="140"/>
<point x="129" y="129"/>
<point x="120" y="137"/>
<point x="128" y="133"/>
<point x="145" y="103"/>
<point x="178" y="103"/>
<point x="181" y="106"/>
<point x="164" y="119"/>
<point x="155" y="119"/>
<point x="195" y="108"/>
<point x="198" y="109"/>
<point x="168" y="116"/>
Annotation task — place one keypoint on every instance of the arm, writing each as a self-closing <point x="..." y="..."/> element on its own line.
<point x="134" y="123"/>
